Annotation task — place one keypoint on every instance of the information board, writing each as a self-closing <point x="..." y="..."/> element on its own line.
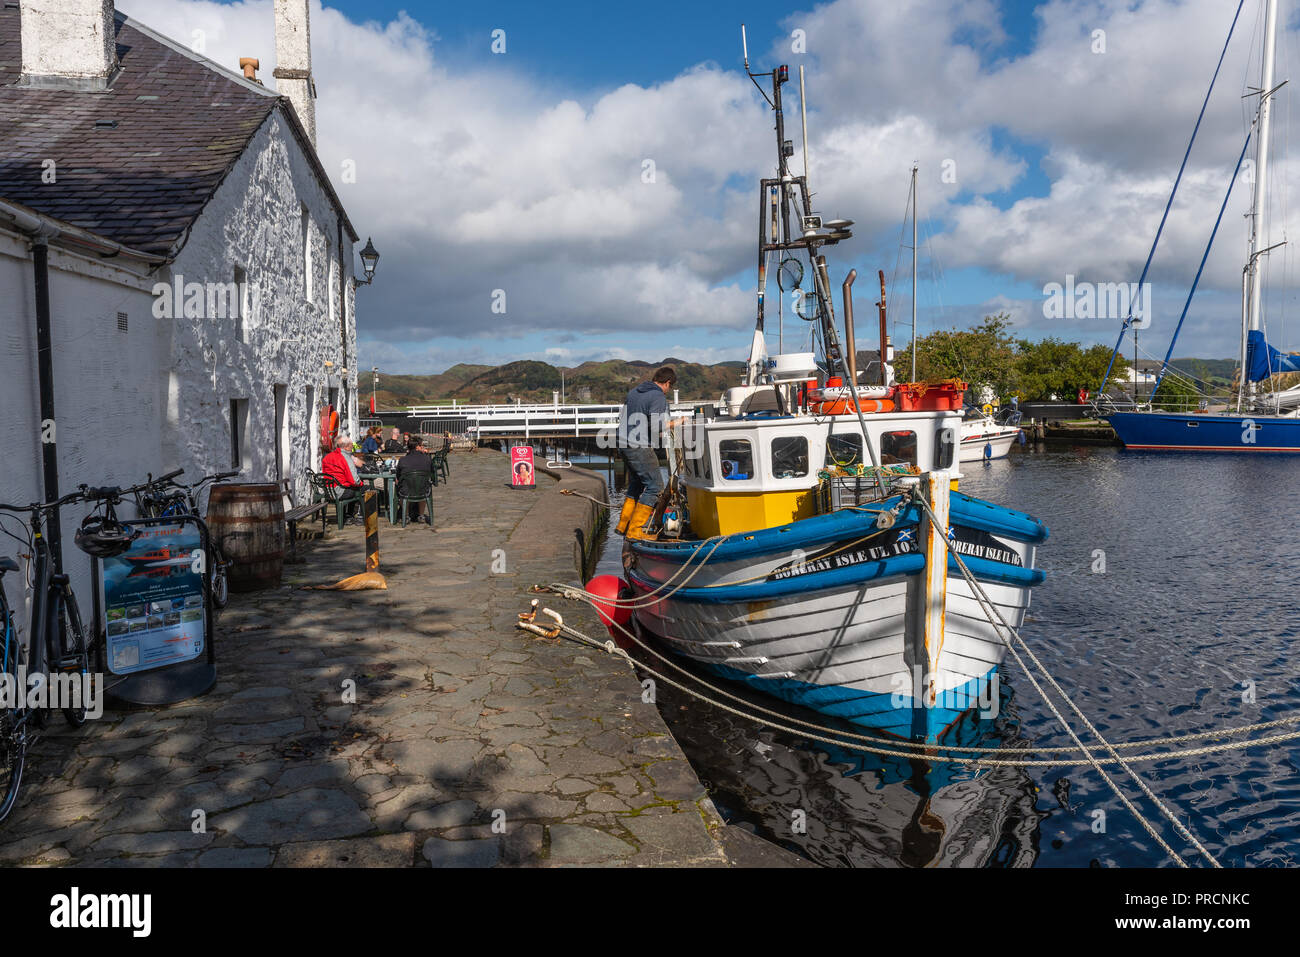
<point x="152" y="599"/>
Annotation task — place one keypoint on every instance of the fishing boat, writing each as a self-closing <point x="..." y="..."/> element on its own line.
<point x="1251" y="420"/>
<point x="805" y="543"/>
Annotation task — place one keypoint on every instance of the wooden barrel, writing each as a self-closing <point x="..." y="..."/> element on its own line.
<point x="247" y="521"/>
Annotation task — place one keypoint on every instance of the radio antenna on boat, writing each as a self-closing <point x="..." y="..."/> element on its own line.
<point x="803" y="112"/>
<point x="914" y="167"/>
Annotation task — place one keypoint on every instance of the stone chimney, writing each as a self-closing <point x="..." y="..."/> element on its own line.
<point x="293" y="61"/>
<point x="68" y="44"/>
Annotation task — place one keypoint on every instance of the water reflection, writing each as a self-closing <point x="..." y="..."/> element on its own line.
<point x="1167" y="609"/>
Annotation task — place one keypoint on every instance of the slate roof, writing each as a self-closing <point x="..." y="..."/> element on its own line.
<point x="138" y="163"/>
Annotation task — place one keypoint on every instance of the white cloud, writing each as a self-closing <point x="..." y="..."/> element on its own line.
<point x="485" y="177"/>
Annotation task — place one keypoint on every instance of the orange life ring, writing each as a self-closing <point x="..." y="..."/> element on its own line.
<point x="329" y="427"/>
<point x="845" y="407"/>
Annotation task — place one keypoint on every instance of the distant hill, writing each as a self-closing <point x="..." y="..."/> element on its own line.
<point x="608" y="382"/>
<point x="529" y="380"/>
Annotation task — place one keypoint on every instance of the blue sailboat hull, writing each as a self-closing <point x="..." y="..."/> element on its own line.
<point x="1209" y="432"/>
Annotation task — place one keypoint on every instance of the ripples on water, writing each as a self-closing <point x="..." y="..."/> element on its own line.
<point x="1198" y="597"/>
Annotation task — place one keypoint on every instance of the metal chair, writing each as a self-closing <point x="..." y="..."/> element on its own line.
<point x="415" y="487"/>
<point x="440" y="466"/>
<point x="325" y="489"/>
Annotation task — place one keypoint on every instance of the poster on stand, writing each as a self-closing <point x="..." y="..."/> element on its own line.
<point x="152" y="598"/>
<point x="521" y="467"/>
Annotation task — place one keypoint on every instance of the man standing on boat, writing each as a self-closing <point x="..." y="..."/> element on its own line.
<point x="642" y="420"/>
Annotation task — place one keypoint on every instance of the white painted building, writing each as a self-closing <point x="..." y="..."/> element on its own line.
<point x="142" y="167"/>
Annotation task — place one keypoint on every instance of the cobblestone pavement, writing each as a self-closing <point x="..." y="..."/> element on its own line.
<point x="470" y="743"/>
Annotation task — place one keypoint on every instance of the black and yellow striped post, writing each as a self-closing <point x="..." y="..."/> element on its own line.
<point x="370" y="578"/>
<point x="370" y="509"/>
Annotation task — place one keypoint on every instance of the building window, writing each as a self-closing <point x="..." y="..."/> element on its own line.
<point x="280" y="396"/>
<point x="306" y="254"/>
<point x="240" y="452"/>
<point x="329" y="273"/>
<point x="121" y="322"/>
<point x="313" y="426"/>
<point x="239" y="304"/>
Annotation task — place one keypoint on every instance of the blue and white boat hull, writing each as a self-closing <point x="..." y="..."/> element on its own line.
<point x="810" y="615"/>
<point x="1206" y="432"/>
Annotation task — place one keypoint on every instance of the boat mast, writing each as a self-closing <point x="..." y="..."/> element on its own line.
<point x="1259" y="207"/>
<point x="913" y="272"/>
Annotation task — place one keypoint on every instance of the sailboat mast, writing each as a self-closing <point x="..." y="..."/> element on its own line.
<point x="1259" y="208"/>
<point x="913" y="272"/>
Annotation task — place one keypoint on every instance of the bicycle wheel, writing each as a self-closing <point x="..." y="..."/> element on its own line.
<point x="13" y="737"/>
<point x="13" y="756"/>
<point x="220" y="586"/>
<point x="67" y="654"/>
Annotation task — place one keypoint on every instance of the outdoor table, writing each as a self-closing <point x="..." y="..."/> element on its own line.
<point x="389" y="477"/>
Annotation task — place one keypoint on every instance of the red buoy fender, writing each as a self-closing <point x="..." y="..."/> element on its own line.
<point x="611" y="588"/>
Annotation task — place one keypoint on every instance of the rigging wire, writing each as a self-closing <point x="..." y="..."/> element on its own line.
<point x="893" y="279"/>
<point x="1172" y="193"/>
<point x="1199" y="270"/>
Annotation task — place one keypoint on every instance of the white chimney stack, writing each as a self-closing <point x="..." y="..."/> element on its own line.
<point x="293" y="61"/>
<point x="69" y="44"/>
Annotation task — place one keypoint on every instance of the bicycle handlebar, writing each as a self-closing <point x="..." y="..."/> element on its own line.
<point x="193" y="486"/>
<point x="114" y="493"/>
<point x="45" y="506"/>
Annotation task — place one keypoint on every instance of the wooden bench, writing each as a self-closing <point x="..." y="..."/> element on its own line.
<point x="295" y="514"/>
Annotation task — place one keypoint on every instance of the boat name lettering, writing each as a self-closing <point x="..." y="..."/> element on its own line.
<point x="969" y="543"/>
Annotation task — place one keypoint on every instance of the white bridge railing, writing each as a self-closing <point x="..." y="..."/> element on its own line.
<point x="527" y="421"/>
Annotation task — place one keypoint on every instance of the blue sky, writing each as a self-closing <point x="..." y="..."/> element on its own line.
<point x="521" y="173"/>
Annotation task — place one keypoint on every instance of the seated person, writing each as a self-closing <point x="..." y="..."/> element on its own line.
<point x="416" y="459"/>
<point x="340" y="468"/>
<point x="371" y="444"/>
<point x="394" y="443"/>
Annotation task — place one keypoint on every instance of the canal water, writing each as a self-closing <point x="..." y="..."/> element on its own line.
<point x="1169" y="607"/>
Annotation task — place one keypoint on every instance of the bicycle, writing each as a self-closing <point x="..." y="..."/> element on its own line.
<point x="56" y="639"/>
<point x="163" y="497"/>
<point x="13" y="736"/>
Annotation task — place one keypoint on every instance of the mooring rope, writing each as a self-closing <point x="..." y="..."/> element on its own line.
<point x="992" y="613"/>
<point x="924" y="750"/>
<point x="913" y="750"/>
<point x="651" y="597"/>
<point x="610" y="647"/>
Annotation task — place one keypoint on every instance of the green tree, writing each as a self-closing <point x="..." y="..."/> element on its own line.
<point x="1053" y="367"/>
<point x="982" y="356"/>
<point x="1176" y="394"/>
